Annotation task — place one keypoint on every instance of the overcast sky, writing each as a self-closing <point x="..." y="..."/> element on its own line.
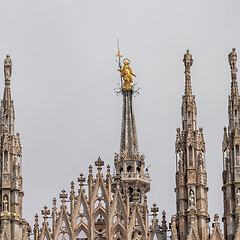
<point x="65" y="72"/>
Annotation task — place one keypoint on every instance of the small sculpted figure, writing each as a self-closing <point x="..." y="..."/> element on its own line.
<point x="5" y="204"/>
<point x="8" y="67"/>
<point x="238" y="197"/>
<point x="188" y="61"/>
<point x="238" y="159"/>
<point x="192" y="199"/>
<point x="126" y="74"/>
<point x="232" y="58"/>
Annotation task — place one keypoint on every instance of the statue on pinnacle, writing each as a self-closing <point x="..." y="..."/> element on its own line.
<point x="8" y="67"/>
<point x="188" y="61"/>
<point x="126" y="74"/>
<point x="232" y="59"/>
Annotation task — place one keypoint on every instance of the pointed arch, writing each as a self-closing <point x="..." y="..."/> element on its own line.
<point x="100" y="185"/>
<point x="64" y="217"/>
<point x="118" y="200"/>
<point x="217" y="233"/>
<point x="79" y="228"/>
<point x="45" y="232"/>
<point x="116" y="227"/>
<point x="136" y="216"/>
<point x="81" y="201"/>
<point x="193" y="234"/>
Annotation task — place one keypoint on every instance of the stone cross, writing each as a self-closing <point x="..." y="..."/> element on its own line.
<point x="45" y="213"/>
<point x="99" y="163"/>
<point x="63" y="196"/>
<point x="154" y="210"/>
<point x="81" y="180"/>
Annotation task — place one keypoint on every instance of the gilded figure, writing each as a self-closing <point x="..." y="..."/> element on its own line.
<point x="126" y="74"/>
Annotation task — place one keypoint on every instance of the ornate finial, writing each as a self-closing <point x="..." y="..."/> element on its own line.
<point x="126" y="74"/>
<point x="90" y="169"/>
<point x="108" y="170"/>
<point x="232" y="59"/>
<point x="188" y="61"/>
<point x="154" y="210"/>
<point x="63" y="196"/>
<point x="7" y="68"/>
<point x="36" y="225"/>
<point x="81" y="180"/>
<point x="45" y="213"/>
<point x="117" y="179"/>
<point x="54" y="205"/>
<point x="99" y="163"/>
<point x="164" y="225"/>
<point x="116" y="158"/>
<point x="216" y="217"/>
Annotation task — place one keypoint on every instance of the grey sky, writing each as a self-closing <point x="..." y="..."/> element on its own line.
<point x="64" y="75"/>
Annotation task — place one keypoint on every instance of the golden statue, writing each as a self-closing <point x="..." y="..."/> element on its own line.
<point x="126" y="74"/>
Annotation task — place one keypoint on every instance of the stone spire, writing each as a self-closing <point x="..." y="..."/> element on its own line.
<point x="189" y="110"/>
<point x="129" y="142"/>
<point x="191" y="177"/>
<point x="11" y="193"/>
<point x="129" y="163"/>
<point x="231" y="156"/>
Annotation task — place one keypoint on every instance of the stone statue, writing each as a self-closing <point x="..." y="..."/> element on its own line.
<point x="192" y="199"/>
<point x="5" y="204"/>
<point x="232" y="59"/>
<point x="238" y="159"/>
<point x="188" y="61"/>
<point x="126" y="74"/>
<point x="238" y="196"/>
<point x="8" y="67"/>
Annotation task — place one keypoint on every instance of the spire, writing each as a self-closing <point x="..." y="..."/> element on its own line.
<point x="191" y="176"/>
<point x="7" y="107"/>
<point x="231" y="154"/>
<point x="233" y="105"/>
<point x="189" y="110"/>
<point x="11" y="158"/>
<point x="129" y="141"/>
<point x="188" y="61"/>
<point x="129" y="164"/>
